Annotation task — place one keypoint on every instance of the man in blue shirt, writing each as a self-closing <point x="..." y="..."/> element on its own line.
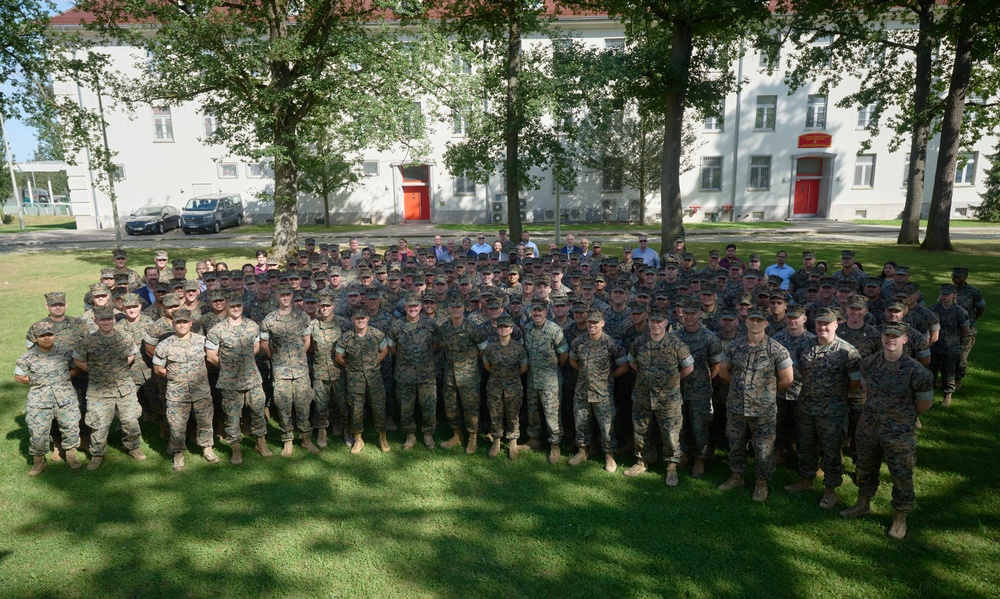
<point x="781" y="269"/>
<point x="648" y="255"/>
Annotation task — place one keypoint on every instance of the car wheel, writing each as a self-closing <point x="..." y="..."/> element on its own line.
<point x="218" y="226"/>
<point x="130" y="232"/>
<point x="187" y="232"/>
<point x="239" y="221"/>
<point x="160" y="229"/>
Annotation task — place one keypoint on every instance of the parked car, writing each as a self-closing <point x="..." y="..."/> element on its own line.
<point x="212" y="213"/>
<point x="153" y="219"/>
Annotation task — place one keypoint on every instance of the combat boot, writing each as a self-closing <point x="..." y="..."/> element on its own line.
<point x="178" y="462"/>
<point x="534" y="443"/>
<point x="307" y="443"/>
<point x="262" y="448"/>
<point x="321" y="437"/>
<point x="287" y="449"/>
<point x="861" y="508"/>
<point x="411" y="440"/>
<point x="803" y="484"/>
<point x="429" y="442"/>
<point x="237" y="458"/>
<point x="359" y="444"/>
<point x="473" y="444"/>
<point x="760" y="491"/>
<point x="735" y="481"/>
<point x="71" y="459"/>
<point x="639" y="468"/>
<point x="494" y="448"/>
<point x="209" y="454"/>
<point x="383" y="443"/>
<point x="456" y="439"/>
<point x="95" y="462"/>
<point x="512" y="449"/>
<point x="136" y="454"/>
<point x="947" y="400"/>
<point x="37" y="466"/>
<point x="554" y="454"/>
<point x="580" y="457"/>
<point x="671" y="479"/>
<point x="829" y="498"/>
<point x="609" y="461"/>
<point x="56" y="456"/>
<point x="898" y="528"/>
<point x="390" y="424"/>
<point x="698" y="468"/>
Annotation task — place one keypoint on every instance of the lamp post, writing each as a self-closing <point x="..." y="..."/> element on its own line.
<point x="10" y="167"/>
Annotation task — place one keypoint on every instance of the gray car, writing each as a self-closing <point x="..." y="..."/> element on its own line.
<point x="212" y="213"/>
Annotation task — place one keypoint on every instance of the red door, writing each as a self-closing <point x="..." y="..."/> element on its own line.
<point x="416" y="203"/>
<point x="806" y="196"/>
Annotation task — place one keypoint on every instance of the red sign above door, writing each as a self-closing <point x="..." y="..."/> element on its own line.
<point x="815" y="140"/>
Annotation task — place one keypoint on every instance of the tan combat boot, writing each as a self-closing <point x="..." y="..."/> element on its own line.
<point x="307" y="443"/>
<point x="760" y="491"/>
<point x="209" y="454"/>
<point x="861" y="508"/>
<point x="609" y="461"/>
<point x="456" y="440"/>
<point x="898" y="528"/>
<point x="321" y="438"/>
<point x="136" y="454"/>
<point x="534" y="443"/>
<point x="512" y="449"/>
<point x="698" y="468"/>
<point x="178" y="462"/>
<point x="829" y="498"/>
<point x="947" y="401"/>
<point x="95" y="462"/>
<point x="580" y="457"/>
<point x="671" y="479"/>
<point x="37" y="466"/>
<point x="473" y="444"/>
<point x="554" y="454"/>
<point x="411" y="441"/>
<point x="359" y="444"/>
<point x="494" y="448"/>
<point x="735" y="481"/>
<point x="262" y="448"/>
<point x="383" y="443"/>
<point x="803" y="484"/>
<point x="639" y="468"/>
<point x="429" y="442"/>
<point x="72" y="460"/>
<point x="287" y="449"/>
<point x="237" y="458"/>
<point x="56" y="455"/>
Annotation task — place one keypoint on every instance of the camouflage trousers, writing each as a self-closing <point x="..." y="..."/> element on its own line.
<point x="233" y="402"/>
<point x="361" y="393"/>
<point x="408" y="395"/>
<point x="669" y="416"/>
<point x="461" y="404"/>
<point x="856" y="400"/>
<point x="820" y="441"/>
<point x="39" y="419"/>
<point x="963" y="359"/>
<point x="947" y="366"/>
<point x="293" y="396"/>
<point x="899" y="453"/>
<point x="178" y="414"/>
<point x="101" y="413"/>
<point x="158" y="401"/>
<point x="325" y="391"/>
<point x="784" y="434"/>
<point x="760" y="430"/>
<point x="697" y="422"/>
<point x="544" y="402"/>
<point x="604" y="411"/>
<point x="505" y="409"/>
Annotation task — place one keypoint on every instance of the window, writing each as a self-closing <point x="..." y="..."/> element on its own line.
<point x="228" y="170"/>
<point x="767" y="107"/>
<point x="464" y="186"/>
<point x="860" y="214"/>
<point x="769" y="52"/>
<point x="866" y="116"/>
<point x="816" y="111"/>
<point x="823" y="42"/>
<point x="711" y="173"/>
<point x="370" y="168"/>
<point x="714" y="123"/>
<point x="118" y="172"/>
<point x="458" y="126"/>
<point x="413" y="123"/>
<point x="760" y="173"/>
<point x="906" y="171"/>
<point x="864" y="170"/>
<point x="962" y="211"/>
<point x="614" y="43"/>
<point x="255" y="170"/>
<point x="611" y="176"/>
<point x="757" y="215"/>
<point x="462" y="65"/>
<point x="163" y="124"/>
<point x="210" y="124"/>
<point x="965" y="172"/>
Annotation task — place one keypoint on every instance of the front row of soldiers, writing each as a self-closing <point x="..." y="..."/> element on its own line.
<point x="761" y="376"/>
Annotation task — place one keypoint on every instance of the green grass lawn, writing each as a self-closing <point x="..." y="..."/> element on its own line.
<point x="38" y="223"/>
<point x="444" y="524"/>
<point x="955" y="222"/>
<point x="307" y="230"/>
<point x="542" y="229"/>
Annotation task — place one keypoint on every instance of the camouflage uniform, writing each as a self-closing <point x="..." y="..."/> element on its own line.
<point x="69" y="331"/>
<point x="752" y="401"/>
<point x="868" y="341"/>
<point x="657" y="392"/>
<point x="504" y="392"/>
<point x="415" y="371"/>
<point x="50" y="397"/>
<point x="947" y="351"/>
<point x="887" y="427"/>
<point x="159" y="331"/>
<point x="971" y="299"/>
<point x="329" y="378"/>
<point x="594" y="395"/>
<point x="544" y="345"/>
<point x="239" y="379"/>
<point x="785" y="431"/>
<point x="293" y="391"/>
<point x="364" y="380"/>
<point x="187" y="389"/>
<point x="696" y="389"/>
<point x="460" y="389"/>
<point x="110" y="389"/>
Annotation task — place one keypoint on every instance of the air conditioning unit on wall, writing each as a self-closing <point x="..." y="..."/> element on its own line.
<point x="498" y="212"/>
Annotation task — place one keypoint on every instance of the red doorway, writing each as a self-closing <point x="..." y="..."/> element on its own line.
<point x="416" y="203"/>
<point x="808" y="173"/>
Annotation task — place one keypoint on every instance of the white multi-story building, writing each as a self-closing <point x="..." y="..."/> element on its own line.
<point x="773" y="156"/>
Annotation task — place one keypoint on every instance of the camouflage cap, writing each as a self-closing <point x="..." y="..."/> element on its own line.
<point x="755" y="313"/>
<point x="179" y="263"/>
<point x="795" y="311"/>
<point x="309" y="296"/>
<point x="99" y="289"/>
<point x="775" y="279"/>
<point x="807" y="255"/>
<point x="161" y="287"/>
<point x="780" y="294"/>
<point x="895" y="306"/>
<point x="53" y="298"/>
<point x="727" y="314"/>
<point x="107" y="273"/>
<point x="131" y="299"/>
<point x="263" y="278"/>
<point x="713" y="253"/>
<point x="176" y="283"/>
<point x="846" y="286"/>
<point x="216" y="295"/>
<point x="160" y="255"/>
<point x="857" y="301"/>
<point x="428" y="296"/>
<point x="689" y="304"/>
<point x="539" y="304"/>
<point x="454" y="301"/>
<point x="121" y="277"/>
<point x="902" y="270"/>
<point x="359" y="312"/>
<point x="119" y="253"/>
<point x="372" y="293"/>
<point x="412" y="299"/>
<point x="745" y="299"/>
<point x="595" y="316"/>
<point x="637" y="307"/>
<point x="872" y="282"/>
<point x="658" y="314"/>
<point x="172" y="300"/>
<point x="846" y="254"/>
<point x="947" y="289"/>
<point x="191" y="285"/>
<point x="104" y="313"/>
<point x="183" y="315"/>
<point x="827" y="315"/>
<point x="43" y="327"/>
<point x="326" y="299"/>
<point x="505" y="321"/>
<point x="896" y="329"/>
<point x="754" y="258"/>
<point x="212" y="276"/>
<point x="751" y="274"/>
<point x="235" y="299"/>
<point x="828" y="282"/>
<point x="236" y="274"/>
<point x="960" y="271"/>
<point x="283" y="289"/>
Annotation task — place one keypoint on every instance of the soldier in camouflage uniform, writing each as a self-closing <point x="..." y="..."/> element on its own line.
<point x="134" y="326"/>
<point x="101" y="296"/>
<point x="898" y="390"/>
<point x="231" y="346"/>
<point x="461" y="341"/>
<point x="360" y="351"/>
<point x="180" y="359"/>
<point x="599" y="360"/>
<point x="547" y="352"/>
<point x="793" y="337"/>
<point x="971" y="299"/>
<point x="954" y="324"/>
<point x="506" y="360"/>
<point x="848" y="272"/>
<point x="329" y="379"/>
<point x="696" y="389"/>
<point x="916" y="345"/>
<point x="867" y="340"/>
<point x="121" y="267"/>
<point x="660" y="361"/>
<point x="162" y="329"/>
<point x="108" y="355"/>
<point x="413" y="343"/>
<point x="47" y="371"/>
<point x="757" y="368"/>
<point x="285" y="336"/>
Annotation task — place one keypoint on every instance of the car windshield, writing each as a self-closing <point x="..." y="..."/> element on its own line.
<point x="147" y="211"/>
<point x="206" y="205"/>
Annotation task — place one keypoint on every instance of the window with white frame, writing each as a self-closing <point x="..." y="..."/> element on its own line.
<point x="614" y="43"/>
<point x="906" y="171"/>
<point x="462" y="65"/>
<point x="611" y="176"/>
<point x="816" y="111"/>
<point x="760" y="173"/>
<point x="370" y="168"/>
<point x="769" y="53"/>
<point x="866" y="117"/>
<point x="210" y="123"/>
<point x="464" y="186"/>
<point x="255" y="170"/>
<point x="118" y="172"/>
<point x="715" y="122"/>
<point x="163" y="124"/>
<point x="823" y="42"/>
<point x="965" y="172"/>
<point x="767" y="109"/>
<point x="864" y="170"/>
<point x="228" y="170"/>
<point x="458" y="126"/>
<point x="711" y="173"/>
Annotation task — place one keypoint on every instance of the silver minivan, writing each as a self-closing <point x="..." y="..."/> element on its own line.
<point x="212" y="212"/>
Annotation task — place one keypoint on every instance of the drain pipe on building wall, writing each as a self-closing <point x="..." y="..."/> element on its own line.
<point x="736" y="138"/>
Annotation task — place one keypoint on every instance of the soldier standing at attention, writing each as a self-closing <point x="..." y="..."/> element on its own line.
<point x="462" y="343"/>
<point x="329" y="379"/>
<point x="757" y="367"/>
<point x="47" y="371"/>
<point x="867" y="340"/>
<point x="134" y="326"/>
<point x="898" y="389"/>
<point x="232" y="346"/>
<point x="946" y="352"/>
<point x="505" y="360"/>
<point x="412" y="342"/>
<point x="792" y="337"/>
<point x="285" y="336"/>
<point x="180" y="359"/>
<point x="696" y="390"/>
<point x="972" y="300"/>
<point x="360" y="351"/>
<point x="599" y="360"/>
<point x="547" y="352"/>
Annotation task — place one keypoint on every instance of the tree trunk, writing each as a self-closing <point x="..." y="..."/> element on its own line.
<point x="512" y="129"/>
<point x="672" y="218"/>
<point x="642" y="171"/>
<point x="909" y="230"/>
<point x="286" y="192"/>
<point x="938" y="236"/>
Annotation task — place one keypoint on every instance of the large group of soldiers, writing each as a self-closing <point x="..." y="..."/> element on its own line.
<point x="591" y="346"/>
